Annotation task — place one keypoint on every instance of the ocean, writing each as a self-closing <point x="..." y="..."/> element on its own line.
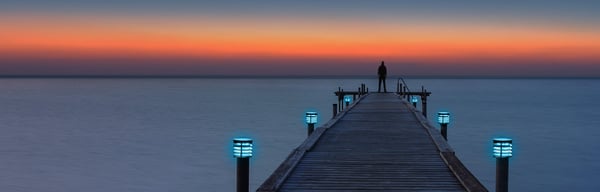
<point x="174" y="134"/>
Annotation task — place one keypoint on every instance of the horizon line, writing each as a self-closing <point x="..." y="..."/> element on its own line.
<point x="132" y="76"/>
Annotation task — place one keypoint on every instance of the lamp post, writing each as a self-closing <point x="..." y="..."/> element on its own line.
<point x="502" y="151"/>
<point x="444" y="120"/>
<point x="311" y="120"/>
<point x="242" y="151"/>
<point x="414" y="100"/>
<point x="347" y="99"/>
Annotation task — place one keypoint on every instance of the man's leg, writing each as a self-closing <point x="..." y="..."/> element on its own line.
<point x="384" y="88"/>
<point x="379" y="87"/>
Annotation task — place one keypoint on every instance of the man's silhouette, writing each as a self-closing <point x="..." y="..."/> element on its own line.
<point x="382" y="72"/>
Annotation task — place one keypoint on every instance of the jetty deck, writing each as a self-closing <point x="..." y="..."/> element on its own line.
<point x="380" y="142"/>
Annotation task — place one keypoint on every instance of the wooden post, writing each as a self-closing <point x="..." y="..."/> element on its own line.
<point x="339" y="99"/>
<point x="398" y="87"/>
<point x="424" y="104"/>
<point x="342" y="100"/>
<point x="335" y="110"/>
<point x="362" y="88"/>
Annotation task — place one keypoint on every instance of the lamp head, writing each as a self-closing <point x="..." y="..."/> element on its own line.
<point x="347" y="98"/>
<point x="311" y="117"/>
<point x="502" y="147"/>
<point x="443" y="117"/>
<point x="414" y="99"/>
<point x="242" y="147"/>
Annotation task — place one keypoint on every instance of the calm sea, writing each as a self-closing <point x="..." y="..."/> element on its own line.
<point x="175" y="134"/>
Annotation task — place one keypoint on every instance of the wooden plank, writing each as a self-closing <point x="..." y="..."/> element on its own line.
<point x="379" y="143"/>
<point x="274" y="181"/>
<point x="465" y="176"/>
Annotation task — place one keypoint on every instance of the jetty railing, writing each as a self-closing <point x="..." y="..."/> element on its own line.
<point x="403" y="90"/>
<point x="402" y="87"/>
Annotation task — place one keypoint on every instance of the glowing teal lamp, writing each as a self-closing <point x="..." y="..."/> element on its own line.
<point x="443" y="117"/>
<point x="311" y="120"/>
<point x="502" y="147"/>
<point x="242" y="151"/>
<point x="347" y="99"/>
<point x="242" y="147"/>
<point x="414" y="100"/>
<point x="502" y="150"/>
<point x="443" y="120"/>
<point x="311" y="117"/>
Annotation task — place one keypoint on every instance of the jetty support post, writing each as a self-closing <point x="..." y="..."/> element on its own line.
<point x="364" y="88"/>
<point x="335" y="110"/>
<point x="424" y="101"/>
<point x="360" y="90"/>
<point x="339" y="97"/>
<point x="405" y="90"/>
<point x="424" y="105"/>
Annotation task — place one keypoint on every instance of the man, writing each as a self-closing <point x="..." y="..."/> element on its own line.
<point x="382" y="72"/>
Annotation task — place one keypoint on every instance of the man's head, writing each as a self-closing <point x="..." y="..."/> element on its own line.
<point x="381" y="62"/>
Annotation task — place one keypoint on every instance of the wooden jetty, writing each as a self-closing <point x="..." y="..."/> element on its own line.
<point x="378" y="143"/>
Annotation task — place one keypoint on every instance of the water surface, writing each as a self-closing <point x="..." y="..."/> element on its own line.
<point x="175" y="134"/>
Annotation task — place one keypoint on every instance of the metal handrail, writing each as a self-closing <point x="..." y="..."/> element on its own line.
<point x="403" y="82"/>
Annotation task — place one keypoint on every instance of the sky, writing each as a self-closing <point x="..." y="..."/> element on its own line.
<point x="326" y="37"/>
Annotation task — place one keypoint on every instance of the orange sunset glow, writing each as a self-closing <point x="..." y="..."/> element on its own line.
<point x="205" y="40"/>
<point x="428" y="41"/>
